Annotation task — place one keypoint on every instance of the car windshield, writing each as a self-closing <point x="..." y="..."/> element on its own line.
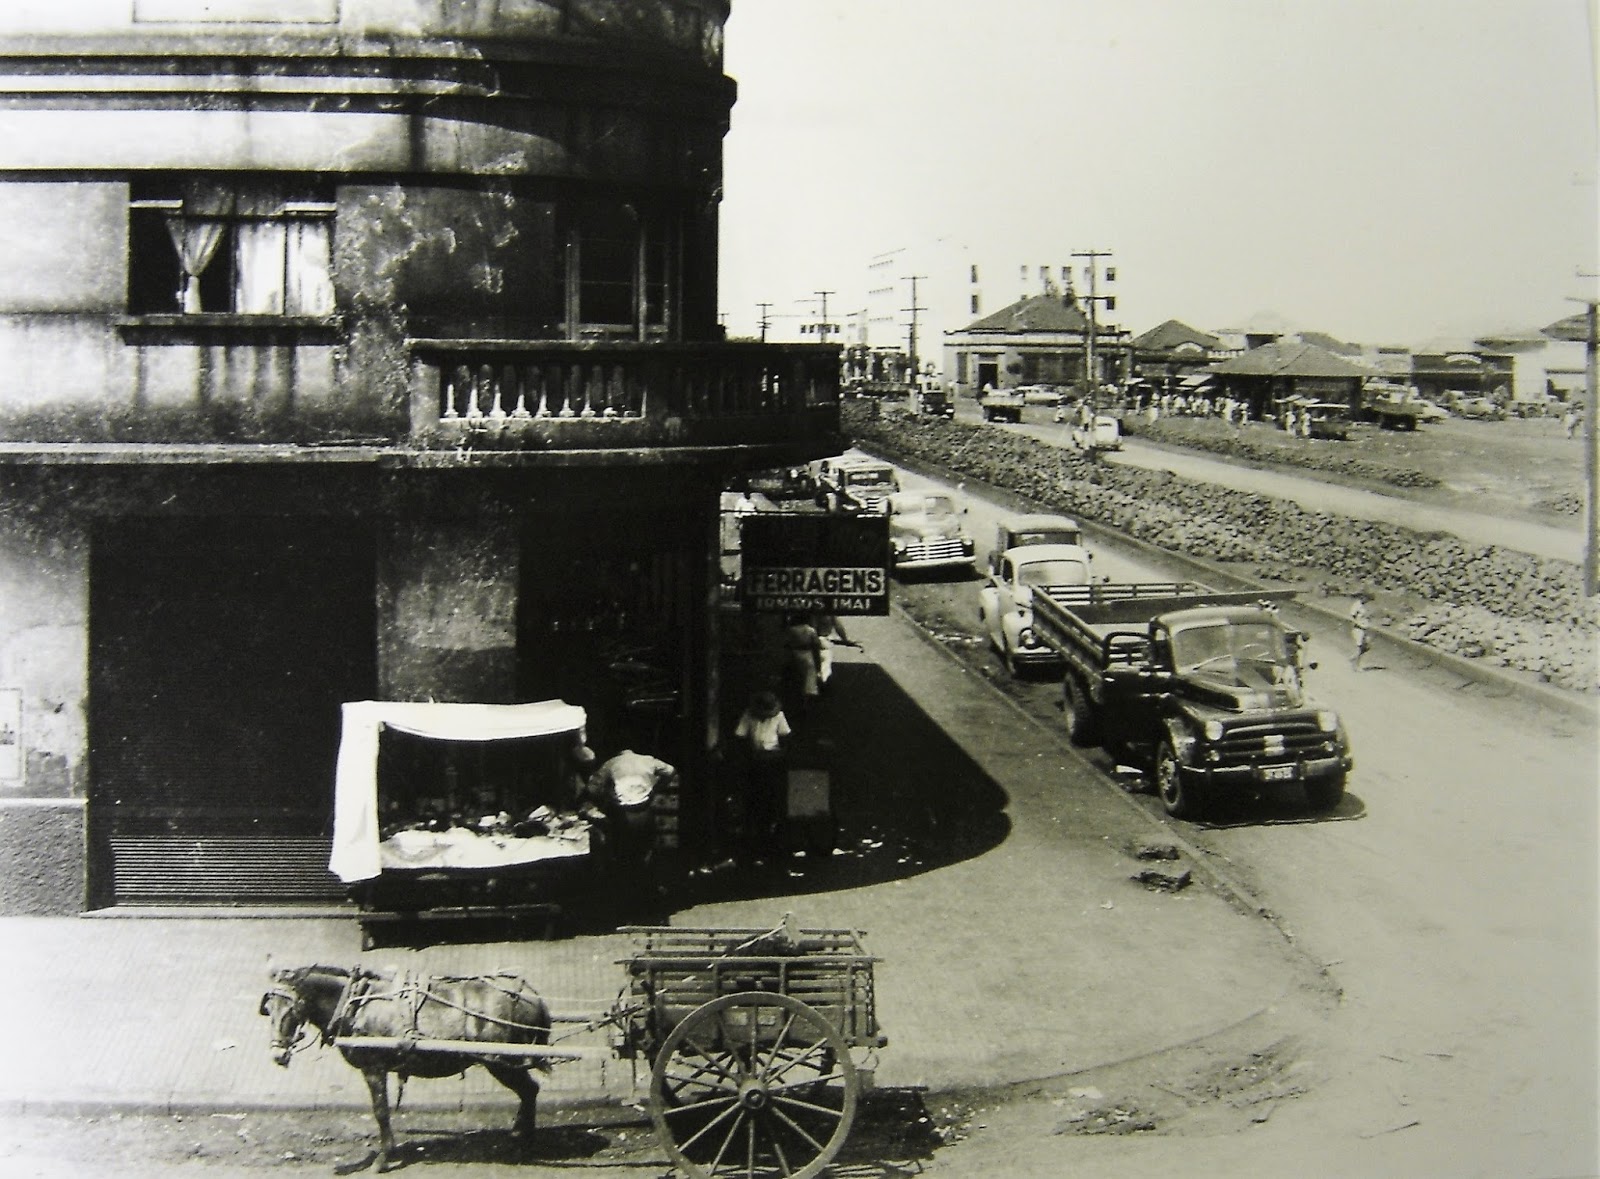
<point x="1242" y="653"/>
<point x="922" y="505"/>
<point x="869" y="477"/>
<point x="1053" y="573"/>
<point x="1053" y="536"/>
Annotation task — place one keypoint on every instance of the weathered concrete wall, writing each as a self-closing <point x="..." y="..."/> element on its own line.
<point x="41" y="858"/>
<point x="464" y="261"/>
<point x="447" y="611"/>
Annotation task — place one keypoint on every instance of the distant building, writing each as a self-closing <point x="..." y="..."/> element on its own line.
<point x="1268" y="376"/>
<point x="1038" y="340"/>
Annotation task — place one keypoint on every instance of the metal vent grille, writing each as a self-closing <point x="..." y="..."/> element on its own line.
<point x="194" y="871"/>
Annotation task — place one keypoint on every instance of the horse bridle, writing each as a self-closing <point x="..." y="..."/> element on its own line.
<point x="297" y="1009"/>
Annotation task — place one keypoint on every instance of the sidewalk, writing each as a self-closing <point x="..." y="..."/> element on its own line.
<point x="1013" y="943"/>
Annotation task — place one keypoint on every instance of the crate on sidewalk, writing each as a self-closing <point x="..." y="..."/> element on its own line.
<point x="808" y="816"/>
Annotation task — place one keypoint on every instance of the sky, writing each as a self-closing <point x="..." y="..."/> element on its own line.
<point x="1385" y="171"/>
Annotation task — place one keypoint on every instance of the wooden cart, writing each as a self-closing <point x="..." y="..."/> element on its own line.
<point x="750" y="1036"/>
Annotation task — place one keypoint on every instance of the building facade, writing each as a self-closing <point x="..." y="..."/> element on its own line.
<point x="1042" y="340"/>
<point x="358" y="349"/>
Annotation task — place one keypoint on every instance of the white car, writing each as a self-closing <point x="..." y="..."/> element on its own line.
<point x="927" y="531"/>
<point x="1105" y="434"/>
<point x="1005" y="603"/>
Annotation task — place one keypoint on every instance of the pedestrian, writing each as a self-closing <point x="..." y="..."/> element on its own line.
<point x="1569" y="421"/>
<point x="1360" y="626"/>
<point x="829" y="631"/>
<point x="763" y="732"/>
<point x="802" y="648"/>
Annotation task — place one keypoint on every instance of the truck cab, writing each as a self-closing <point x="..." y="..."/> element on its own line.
<point x="1015" y="532"/>
<point x="1005" y="603"/>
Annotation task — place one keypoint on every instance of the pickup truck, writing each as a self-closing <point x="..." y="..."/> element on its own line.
<point x="1002" y="405"/>
<point x="1201" y="688"/>
<point x="1005" y="603"/>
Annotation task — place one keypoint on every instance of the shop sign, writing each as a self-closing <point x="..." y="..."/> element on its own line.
<point x="830" y="564"/>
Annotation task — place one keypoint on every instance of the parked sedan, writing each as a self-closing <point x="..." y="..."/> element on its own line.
<point x="1105" y="434"/>
<point x="1005" y="603"/>
<point x="928" y="531"/>
<point x="1479" y="408"/>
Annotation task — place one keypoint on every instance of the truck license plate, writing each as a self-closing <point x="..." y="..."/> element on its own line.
<point x="1277" y="773"/>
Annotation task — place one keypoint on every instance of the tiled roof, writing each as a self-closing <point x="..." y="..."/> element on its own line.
<point x="1172" y="333"/>
<point x="1323" y="340"/>
<point x="1038" y="313"/>
<point x="1289" y="358"/>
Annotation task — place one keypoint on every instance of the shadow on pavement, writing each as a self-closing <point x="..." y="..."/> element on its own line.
<point x="906" y="798"/>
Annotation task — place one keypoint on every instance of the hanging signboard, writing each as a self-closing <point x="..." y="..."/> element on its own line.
<point x="830" y="564"/>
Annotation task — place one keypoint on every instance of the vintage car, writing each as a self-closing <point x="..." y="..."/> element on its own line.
<point x="1005" y="603"/>
<point x="927" y="531"/>
<point x="1105" y="434"/>
<point x="1483" y="409"/>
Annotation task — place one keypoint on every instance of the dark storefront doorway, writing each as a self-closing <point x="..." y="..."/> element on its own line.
<point x="220" y="651"/>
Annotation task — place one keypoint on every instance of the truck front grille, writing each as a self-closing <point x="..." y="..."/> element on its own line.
<point x="1270" y="741"/>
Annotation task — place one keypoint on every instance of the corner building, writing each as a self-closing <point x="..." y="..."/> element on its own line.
<point x="353" y="349"/>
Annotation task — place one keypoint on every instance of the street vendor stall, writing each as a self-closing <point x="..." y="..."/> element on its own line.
<point x="460" y="811"/>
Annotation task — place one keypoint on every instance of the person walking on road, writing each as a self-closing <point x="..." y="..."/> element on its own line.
<point x="1360" y="626"/>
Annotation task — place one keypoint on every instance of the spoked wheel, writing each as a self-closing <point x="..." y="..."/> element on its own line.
<point x="753" y="1086"/>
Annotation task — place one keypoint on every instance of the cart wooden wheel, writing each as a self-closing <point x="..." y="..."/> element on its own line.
<point x="754" y="1085"/>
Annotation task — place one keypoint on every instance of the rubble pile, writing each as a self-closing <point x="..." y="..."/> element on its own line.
<point x="1520" y="611"/>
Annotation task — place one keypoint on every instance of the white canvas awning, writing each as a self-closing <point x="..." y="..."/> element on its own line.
<point x="355" y="853"/>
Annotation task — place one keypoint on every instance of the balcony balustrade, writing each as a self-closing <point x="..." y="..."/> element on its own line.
<point x="566" y="395"/>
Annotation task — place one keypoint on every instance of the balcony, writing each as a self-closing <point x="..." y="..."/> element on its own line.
<point x="515" y="396"/>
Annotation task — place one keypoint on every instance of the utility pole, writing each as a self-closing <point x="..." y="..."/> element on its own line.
<point x="1091" y="373"/>
<point x="822" y="328"/>
<point x="911" y="350"/>
<point x="1586" y="328"/>
<point x="766" y="320"/>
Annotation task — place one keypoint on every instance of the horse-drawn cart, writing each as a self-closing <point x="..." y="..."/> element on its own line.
<point x="750" y="1036"/>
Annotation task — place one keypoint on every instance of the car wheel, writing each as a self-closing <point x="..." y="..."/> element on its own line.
<point x="1180" y="799"/>
<point x="1078" y="711"/>
<point x="1325" y="794"/>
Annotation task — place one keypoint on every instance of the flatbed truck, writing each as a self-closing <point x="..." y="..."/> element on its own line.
<point x="1202" y="688"/>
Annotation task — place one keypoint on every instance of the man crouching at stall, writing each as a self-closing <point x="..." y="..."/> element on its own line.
<point x="621" y="794"/>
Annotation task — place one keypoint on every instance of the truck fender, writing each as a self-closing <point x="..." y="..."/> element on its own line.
<point x="1182" y="738"/>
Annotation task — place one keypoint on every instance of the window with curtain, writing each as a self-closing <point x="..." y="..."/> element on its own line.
<point x="230" y="245"/>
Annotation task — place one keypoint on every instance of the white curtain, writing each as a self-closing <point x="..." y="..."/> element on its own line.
<point x="308" y="268"/>
<point x="196" y="233"/>
<point x="258" y="268"/>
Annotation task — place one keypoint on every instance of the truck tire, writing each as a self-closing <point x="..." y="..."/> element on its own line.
<point x="1079" y="713"/>
<point x="1327" y="793"/>
<point x="1181" y="800"/>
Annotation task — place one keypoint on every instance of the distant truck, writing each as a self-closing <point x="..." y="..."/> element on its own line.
<point x="849" y="483"/>
<point x="931" y="399"/>
<point x="1002" y="405"/>
<point x="1201" y="688"/>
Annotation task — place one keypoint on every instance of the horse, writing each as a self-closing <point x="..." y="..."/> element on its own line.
<point x="493" y="1009"/>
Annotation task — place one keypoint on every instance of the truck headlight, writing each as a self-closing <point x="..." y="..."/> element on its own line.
<point x="1026" y="637"/>
<point x="1213" y="730"/>
<point x="1328" y="721"/>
